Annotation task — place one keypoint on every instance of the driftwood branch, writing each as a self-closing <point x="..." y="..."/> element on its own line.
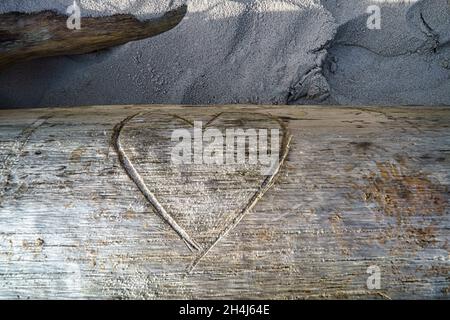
<point x="90" y="206"/>
<point x="44" y="34"/>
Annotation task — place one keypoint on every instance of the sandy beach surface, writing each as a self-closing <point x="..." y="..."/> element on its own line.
<point x="250" y="51"/>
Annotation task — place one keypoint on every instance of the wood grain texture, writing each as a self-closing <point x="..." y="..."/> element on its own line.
<point x="45" y="34"/>
<point x="358" y="187"/>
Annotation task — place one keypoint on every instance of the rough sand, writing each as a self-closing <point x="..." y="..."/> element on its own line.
<point x="250" y="51"/>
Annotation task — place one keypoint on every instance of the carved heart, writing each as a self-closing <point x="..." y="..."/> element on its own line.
<point x="202" y="203"/>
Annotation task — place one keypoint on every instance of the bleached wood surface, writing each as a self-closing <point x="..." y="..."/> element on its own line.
<point x="358" y="187"/>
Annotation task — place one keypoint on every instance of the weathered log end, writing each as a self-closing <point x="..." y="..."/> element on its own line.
<point x="44" y="34"/>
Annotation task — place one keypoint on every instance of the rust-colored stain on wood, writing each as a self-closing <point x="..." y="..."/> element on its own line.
<point x="400" y="192"/>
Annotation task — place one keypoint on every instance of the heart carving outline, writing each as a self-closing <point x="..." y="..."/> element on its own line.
<point x="134" y="175"/>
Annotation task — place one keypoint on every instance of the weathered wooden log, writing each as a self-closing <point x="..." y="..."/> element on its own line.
<point x="44" y="34"/>
<point x="92" y="205"/>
